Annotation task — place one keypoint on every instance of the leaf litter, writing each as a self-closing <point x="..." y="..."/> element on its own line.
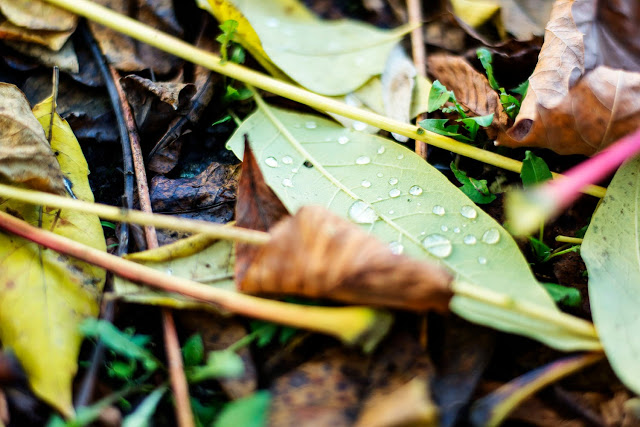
<point x="411" y="208"/>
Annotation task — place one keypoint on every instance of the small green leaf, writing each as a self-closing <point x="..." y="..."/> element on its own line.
<point x="510" y="104"/>
<point x="486" y="60"/>
<point x="141" y="417"/>
<point x="440" y="127"/>
<point x="472" y="124"/>
<point x="122" y="370"/>
<point x="521" y="89"/>
<point x="540" y="249"/>
<point x="564" y="295"/>
<point x="220" y="364"/>
<point x="475" y="189"/>
<point x="247" y="412"/>
<point x="534" y="170"/>
<point x="228" y="28"/>
<point x="193" y="350"/>
<point x="438" y="96"/>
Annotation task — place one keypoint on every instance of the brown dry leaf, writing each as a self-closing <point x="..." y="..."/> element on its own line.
<point x="316" y="254"/>
<point x="65" y="58"/>
<point x="324" y="391"/>
<point x="53" y="40"/>
<point x="37" y="15"/>
<point x="583" y="93"/>
<point x="127" y="54"/>
<point x="257" y="208"/>
<point x="25" y="154"/>
<point x="525" y="18"/>
<point x="471" y="88"/>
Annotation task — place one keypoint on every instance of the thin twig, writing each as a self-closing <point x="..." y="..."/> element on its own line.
<point x="186" y="51"/>
<point x="419" y="53"/>
<point x="184" y="415"/>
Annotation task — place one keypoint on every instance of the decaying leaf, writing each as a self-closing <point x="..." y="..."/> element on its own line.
<point x="470" y="87"/>
<point x="65" y="58"/>
<point x="257" y="208"/>
<point x="45" y="295"/>
<point x="25" y="156"/>
<point x="583" y="93"/>
<point x="610" y="251"/>
<point x="398" y="80"/>
<point x="525" y="18"/>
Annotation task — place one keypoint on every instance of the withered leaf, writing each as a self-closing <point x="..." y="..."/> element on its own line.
<point x="525" y="18"/>
<point x="583" y="93"/>
<point x="257" y="208"/>
<point x="25" y="154"/>
<point x="316" y="254"/>
<point x="37" y="15"/>
<point x="471" y="88"/>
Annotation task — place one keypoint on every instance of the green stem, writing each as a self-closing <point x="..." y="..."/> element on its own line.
<point x="567" y="239"/>
<point x="181" y="49"/>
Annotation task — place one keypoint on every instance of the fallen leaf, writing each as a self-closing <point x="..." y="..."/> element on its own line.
<point x="345" y="54"/>
<point x="398" y="80"/>
<point x="26" y="157"/>
<point x="53" y="40"/>
<point x="583" y="93"/>
<point x="37" y="15"/>
<point x="363" y="270"/>
<point x="393" y="194"/>
<point x="471" y="88"/>
<point x="45" y="295"/>
<point x="65" y="58"/>
<point x="257" y="208"/>
<point x="525" y="18"/>
<point x="475" y="12"/>
<point x="610" y="251"/>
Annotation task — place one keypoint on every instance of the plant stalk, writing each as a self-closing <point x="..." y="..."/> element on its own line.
<point x="353" y="325"/>
<point x="186" y="51"/>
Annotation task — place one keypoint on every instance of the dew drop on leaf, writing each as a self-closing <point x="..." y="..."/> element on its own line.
<point x="394" y="192"/>
<point x="379" y="175"/>
<point x="396" y="248"/>
<point x="343" y="140"/>
<point x="482" y="260"/>
<point x="438" y="210"/>
<point x="469" y="239"/>
<point x="359" y="125"/>
<point x="287" y="160"/>
<point x="415" y="190"/>
<point x="381" y="150"/>
<point x="310" y="125"/>
<point x="361" y="212"/>
<point x="271" y="162"/>
<point x="468" y="212"/>
<point x="444" y="228"/>
<point x="363" y="160"/>
<point x="438" y="245"/>
<point x="365" y="183"/>
<point x="393" y="181"/>
<point x="287" y="182"/>
<point x="456" y="230"/>
<point x="400" y="156"/>
<point x="491" y="236"/>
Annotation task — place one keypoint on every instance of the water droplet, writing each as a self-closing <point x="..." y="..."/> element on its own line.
<point x="396" y="248"/>
<point x="365" y="183"/>
<point x="456" y="230"/>
<point x="169" y="271"/>
<point x="271" y="161"/>
<point x="394" y="192"/>
<point x="437" y="245"/>
<point x="470" y="239"/>
<point x="310" y="125"/>
<point x="361" y="212"/>
<point x="363" y="160"/>
<point x="468" y="212"/>
<point x="294" y="170"/>
<point x="391" y="212"/>
<point x="287" y="183"/>
<point x="422" y="233"/>
<point x="393" y="181"/>
<point x="444" y="228"/>
<point x="379" y="174"/>
<point x="287" y="160"/>
<point x="491" y="236"/>
<point x="438" y="210"/>
<point x="415" y="190"/>
<point x="359" y="125"/>
<point x="400" y="156"/>
<point x="419" y="204"/>
<point x="381" y="150"/>
<point x="272" y="23"/>
<point x="482" y="260"/>
<point x="343" y="140"/>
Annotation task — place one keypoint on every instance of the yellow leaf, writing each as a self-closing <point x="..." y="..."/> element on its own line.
<point x="43" y="294"/>
<point x="475" y="12"/>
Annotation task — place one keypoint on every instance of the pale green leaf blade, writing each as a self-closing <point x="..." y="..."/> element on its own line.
<point x="326" y="57"/>
<point x="611" y="252"/>
<point x="401" y="199"/>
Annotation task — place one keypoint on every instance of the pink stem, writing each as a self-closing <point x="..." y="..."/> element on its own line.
<point x="567" y="189"/>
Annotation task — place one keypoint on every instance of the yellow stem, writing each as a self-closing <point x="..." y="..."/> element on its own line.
<point x="184" y="50"/>
<point x="113" y="213"/>
<point x="567" y="239"/>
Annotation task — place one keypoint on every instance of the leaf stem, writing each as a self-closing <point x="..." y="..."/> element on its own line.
<point x="353" y="325"/>
<point x="181" y="49"/>
<point x="567" y="239"/>
<point x="113" y="213"/>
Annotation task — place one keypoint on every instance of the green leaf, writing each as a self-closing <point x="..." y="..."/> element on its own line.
<point x="141" y="417"/>
<point x="327" y="57"/>
<point x="220" y="364"/>
<point x="486" y="60"/>
<point x="118" y="341"/>
<point x="247" y="412"/>
<point x="475" y="189"/>
<point x="438" y="96"/>
<point x="193" y="350"/>
<point x="540" y="249"/>
<point x="439" y="126"/>
<point x="472" y="124"/>
<point x="510" y="104"/>
<point x="228" y="28"/>
<point x="611" y="252"/>
<point x="395" y="195"/>
<point x="521" y="89"/>
<point x="564" y="295"/>
<point x="534" y="170"/>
